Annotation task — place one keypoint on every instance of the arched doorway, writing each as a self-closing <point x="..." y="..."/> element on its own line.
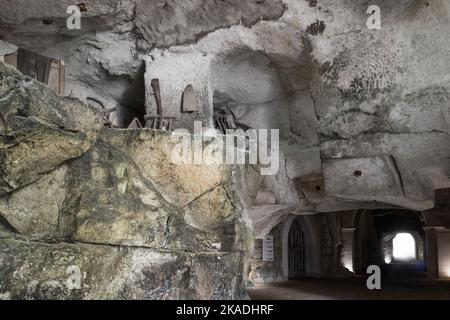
<point x="404" y="247"/>
<point x="391" y="238"/>
<point x="311" y="254"/>
<point x="296" y="251"/>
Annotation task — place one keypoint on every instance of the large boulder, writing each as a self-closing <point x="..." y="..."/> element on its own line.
<point x="39" y="130"/>
<point x="128" y="192"/>
<point x="103" y="226"/>
<point x="33" y="270"/>
<point x="105" y="214"/>
<point x="111" y="225"/>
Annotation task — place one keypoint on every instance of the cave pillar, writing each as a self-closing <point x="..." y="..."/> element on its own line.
<point x="348" y="252"/>
<point x="431" y="252"/>
<point x="443" y="251"/>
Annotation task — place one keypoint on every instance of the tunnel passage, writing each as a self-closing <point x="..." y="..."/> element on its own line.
<point x="394" y="239"/>
<point x="404" y="248"/>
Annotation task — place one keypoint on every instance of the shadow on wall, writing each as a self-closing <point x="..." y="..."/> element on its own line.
<point x="129" y="105"/>
<point x="261" y="91"/>
<point x="133" y="99"/>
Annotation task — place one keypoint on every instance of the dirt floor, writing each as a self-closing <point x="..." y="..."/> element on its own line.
<point x="396" y="284"/>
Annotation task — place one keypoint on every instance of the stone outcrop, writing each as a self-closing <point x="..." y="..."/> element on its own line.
<point x="121" y="220"/>
<point x="39" y="130"/>
<point x="33" y="270"/>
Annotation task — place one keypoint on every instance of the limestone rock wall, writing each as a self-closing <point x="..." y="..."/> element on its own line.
<point x="104" y="59"/>
<point x="118" y="222"/>
<point x="268" y="271"/>
<point x="39" y="130"/>
<point x="347" y="100"/>
<point x="363" y="114"/>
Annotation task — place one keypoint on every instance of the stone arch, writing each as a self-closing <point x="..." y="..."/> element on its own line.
<point x="404" y="246"/>
<point x="369" y="231"/>
<point x="313" y="265"/>
<point x="357" y="214"/>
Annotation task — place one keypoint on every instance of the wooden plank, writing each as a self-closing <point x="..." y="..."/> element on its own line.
<point x="11" y="59"/>
<point x="46" y="70"/>
<point x="43" y="65"/>
<point x="52" y="76"/>
<point x="26" y="62"/>
<point x="62" y="78"/>
<point x="157" y="92"/>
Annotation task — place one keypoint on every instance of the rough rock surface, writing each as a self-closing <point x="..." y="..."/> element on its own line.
<point x="34" y="270"/>
<point x="39" y="130"/>
<point x="363" y="114"/>
<point x="103" y="58"/>
<point x="120" y="221"/>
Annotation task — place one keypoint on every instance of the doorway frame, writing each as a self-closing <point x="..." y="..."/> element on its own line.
<point x="312" y="254"/>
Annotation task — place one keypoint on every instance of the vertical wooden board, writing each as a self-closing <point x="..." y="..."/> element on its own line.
<point x="11" y="59"/>
<point x="46" y="70"/>
<point x="26" y="62"/>
<point x="43" y="66"/>
<point x="2" y="58"/>
<point x="62" y="78"/>
<point x="53" y="76"/>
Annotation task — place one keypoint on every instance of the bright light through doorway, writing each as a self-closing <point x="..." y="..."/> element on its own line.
<point x="404" y="247"/>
